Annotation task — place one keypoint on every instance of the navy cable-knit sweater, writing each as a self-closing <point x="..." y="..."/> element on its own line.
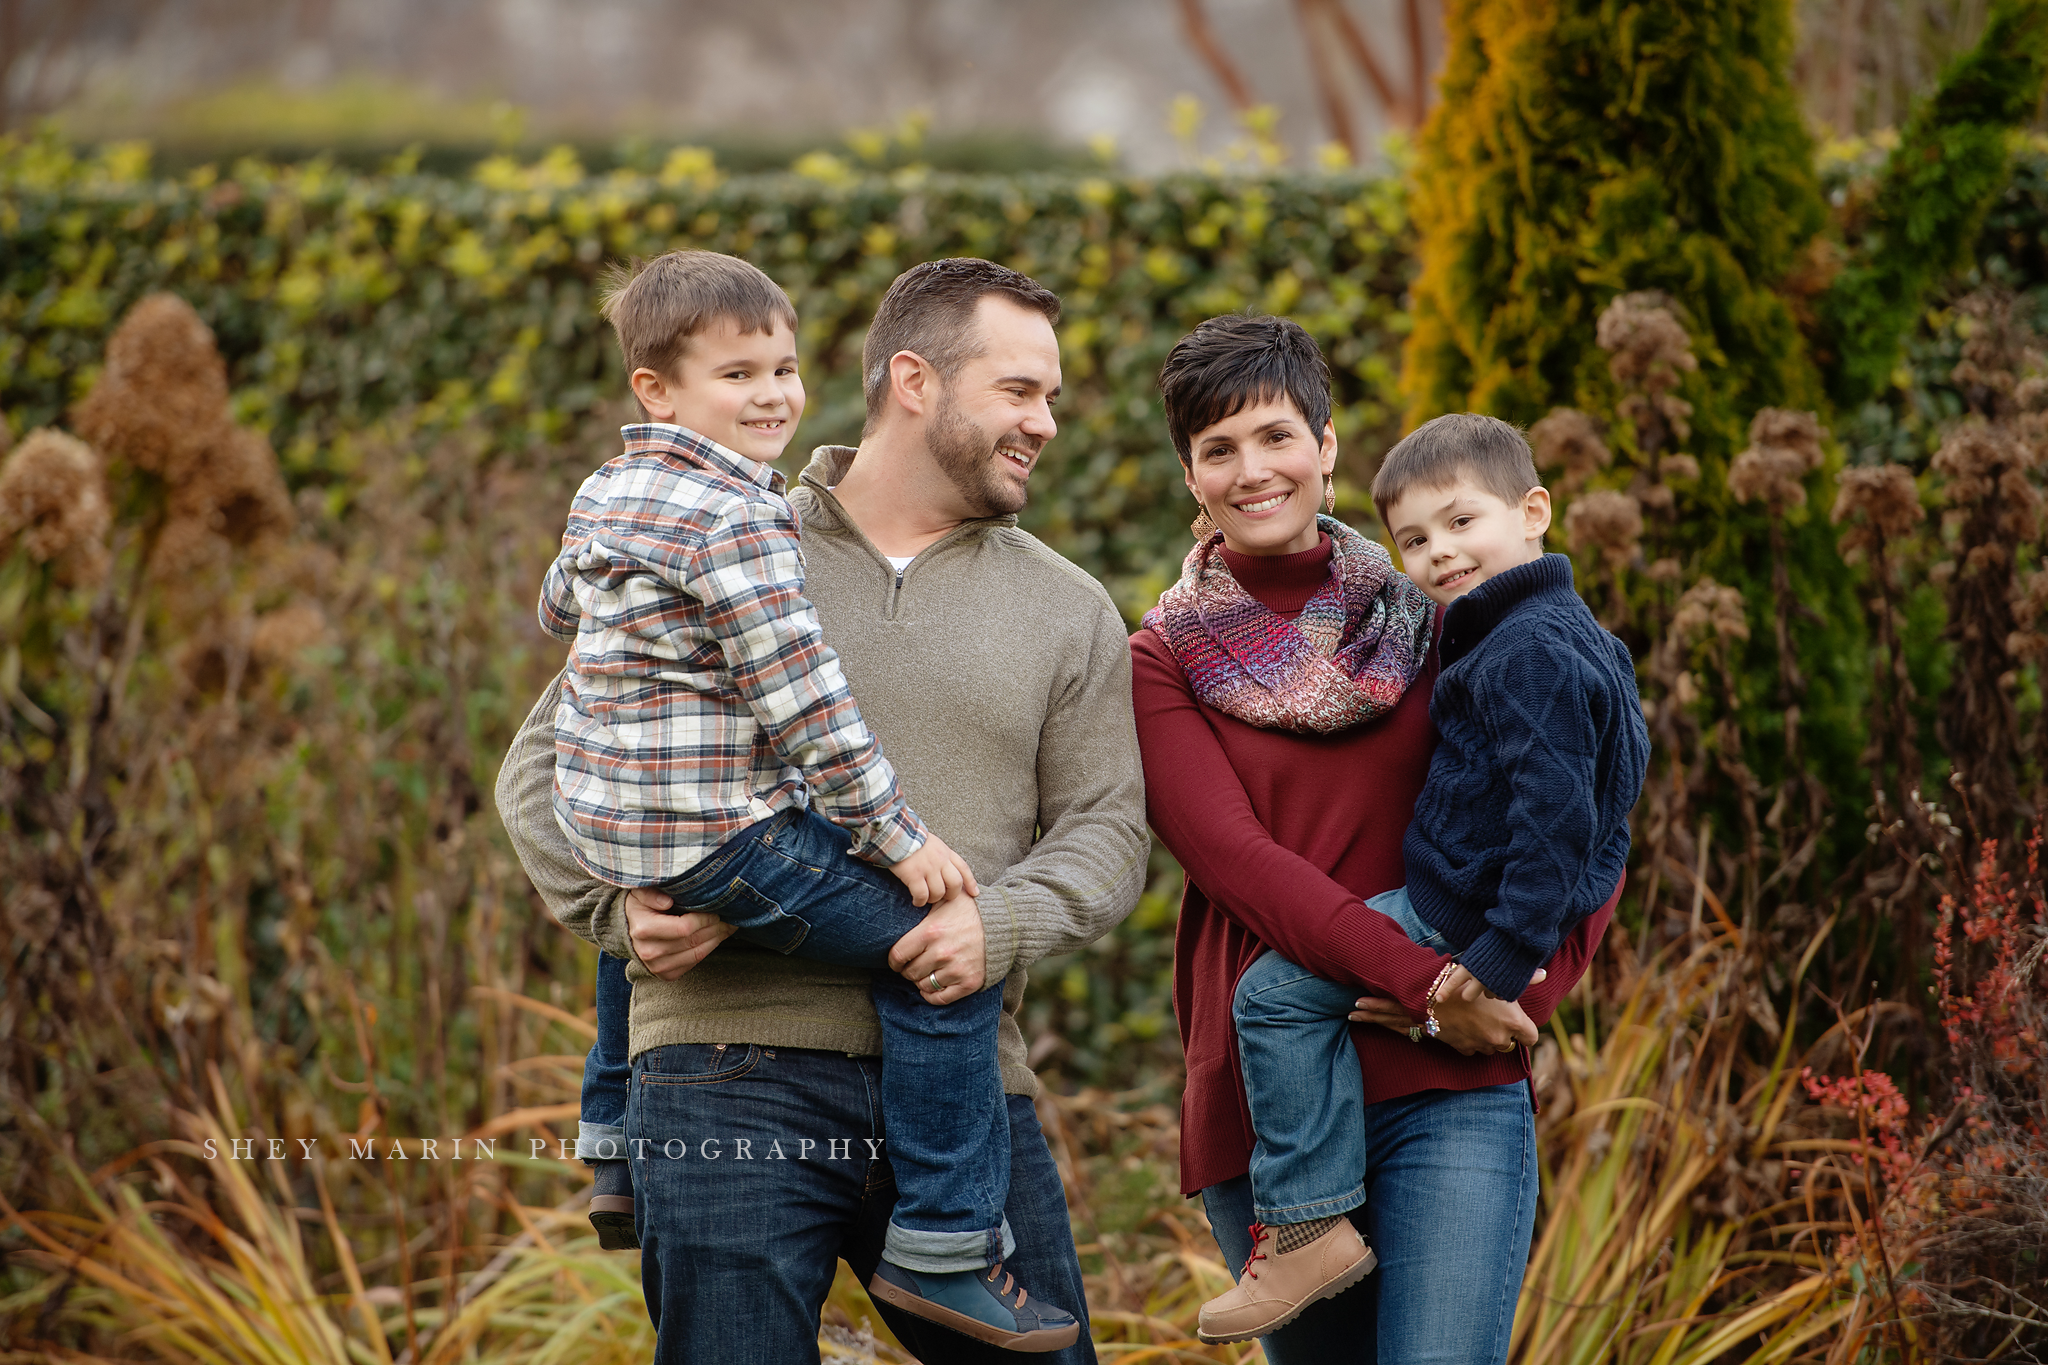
<point x="1522" y="828"/>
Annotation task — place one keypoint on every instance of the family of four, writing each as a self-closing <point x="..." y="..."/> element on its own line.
<point x="1402" y="802"/>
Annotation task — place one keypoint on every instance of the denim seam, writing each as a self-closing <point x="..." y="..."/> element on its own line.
<point x="1510" y="1293"/>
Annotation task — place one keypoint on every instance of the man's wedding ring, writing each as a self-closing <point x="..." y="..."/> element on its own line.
<point x="931" y="983"/>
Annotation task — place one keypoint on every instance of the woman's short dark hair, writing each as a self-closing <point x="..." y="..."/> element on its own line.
<point x="929" y="311"/>
<point x="1492" y="453"/>
<point x="1228" y="363"/>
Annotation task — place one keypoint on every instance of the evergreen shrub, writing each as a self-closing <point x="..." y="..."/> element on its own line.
<point x="343" y="300"/>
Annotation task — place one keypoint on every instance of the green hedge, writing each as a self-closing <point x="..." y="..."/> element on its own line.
<point x="341" y="300"/>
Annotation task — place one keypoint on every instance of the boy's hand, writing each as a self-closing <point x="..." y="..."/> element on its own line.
<point x="948" y="946"/>
<point x="935" y="873"/>
<point x="670" y="945"/>
<point x="1466" y="986"/>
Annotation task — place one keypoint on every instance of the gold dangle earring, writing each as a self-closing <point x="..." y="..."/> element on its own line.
<point x="1201" y="528"/>
<point x="1330" y="494"/>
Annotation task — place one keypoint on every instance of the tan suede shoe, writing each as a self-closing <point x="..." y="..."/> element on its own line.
<point x="1274" y="1289"/>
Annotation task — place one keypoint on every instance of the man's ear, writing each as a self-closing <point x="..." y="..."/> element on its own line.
<point x="911" y="382"/>
<point x="656" y="393"/>
<point x="1535" y="513"/>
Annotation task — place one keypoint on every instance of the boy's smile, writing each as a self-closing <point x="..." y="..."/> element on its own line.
<point x="1454" y="538"/>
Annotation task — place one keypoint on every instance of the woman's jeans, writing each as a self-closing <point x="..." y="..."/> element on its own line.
<point x="1452" y="1205"/>
<point x="1302" y="1082"/>
<point x="789" y="884"/>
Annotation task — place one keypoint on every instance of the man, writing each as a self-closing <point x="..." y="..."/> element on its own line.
<point x="996" y="675"/>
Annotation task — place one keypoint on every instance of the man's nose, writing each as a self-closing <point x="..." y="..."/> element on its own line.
<point x="1039" y="424"/>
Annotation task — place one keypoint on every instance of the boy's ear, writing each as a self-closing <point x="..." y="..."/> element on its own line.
<point x="656" y="393"/>
<point x="1535" y="513"/>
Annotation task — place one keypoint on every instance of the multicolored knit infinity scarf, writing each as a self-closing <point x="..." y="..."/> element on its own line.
<point x="1346" y="659"/>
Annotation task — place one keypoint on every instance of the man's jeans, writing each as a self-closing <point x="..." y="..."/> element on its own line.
<point x="789" y="884"/>
<point x="1452" y="1205"/>
<point x="757" y="1169"/>
<point x="1302" y="1083"/>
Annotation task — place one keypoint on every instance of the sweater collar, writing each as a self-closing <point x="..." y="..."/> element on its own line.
<point x="1472" y="617"/>
<point x="1284" y="583"/>
<point x="830" y="463"/>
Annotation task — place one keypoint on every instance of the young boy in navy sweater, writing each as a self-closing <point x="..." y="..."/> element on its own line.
<point x="1520" y="833"/>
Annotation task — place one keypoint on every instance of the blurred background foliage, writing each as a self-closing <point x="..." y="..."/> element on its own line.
<point x="266" y="629"/>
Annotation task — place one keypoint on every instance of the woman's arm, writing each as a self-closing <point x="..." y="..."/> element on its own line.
<point x="1199" y="809"/>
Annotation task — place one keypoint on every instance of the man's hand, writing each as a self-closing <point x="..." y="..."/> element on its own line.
<point x="668" y="944"/>
<point x="934" y="873"/>
<point x="948" y="945"/>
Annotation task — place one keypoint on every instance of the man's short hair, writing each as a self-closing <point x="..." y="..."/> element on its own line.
<point x="1458" y="445"/>
<point x="1226" y="364"/>
<point x="929" y="311"/>
<point x="656" y="306"/>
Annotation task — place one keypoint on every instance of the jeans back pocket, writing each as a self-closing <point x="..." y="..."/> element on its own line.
<point x="698" y="1063"/>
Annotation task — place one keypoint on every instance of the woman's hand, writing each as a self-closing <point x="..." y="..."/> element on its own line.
<point x="1473" y="1021"/>
<point x="669" y="945"/>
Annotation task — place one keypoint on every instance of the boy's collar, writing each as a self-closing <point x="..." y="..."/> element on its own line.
<point x="642" y="437"/>
<point x="1472" y="617"/>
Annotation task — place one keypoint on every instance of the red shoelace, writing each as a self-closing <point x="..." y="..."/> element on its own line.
<point x="1259" y="1231"/>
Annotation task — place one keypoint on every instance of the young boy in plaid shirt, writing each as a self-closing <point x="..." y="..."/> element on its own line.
<point x="707" y="747"/>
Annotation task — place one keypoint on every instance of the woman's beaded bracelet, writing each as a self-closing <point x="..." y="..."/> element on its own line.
<point x="1430" y="1024"/>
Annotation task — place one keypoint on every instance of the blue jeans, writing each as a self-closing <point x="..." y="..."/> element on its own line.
<point x="789" y="884"/>
<point x="608" y="1070"/>
<point x="1301" y="1080"/>
<point x="741" y="1222"/>
<point x="1452" y="1205"/>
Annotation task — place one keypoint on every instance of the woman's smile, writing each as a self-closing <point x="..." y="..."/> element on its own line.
<point x="1266" y="502"/>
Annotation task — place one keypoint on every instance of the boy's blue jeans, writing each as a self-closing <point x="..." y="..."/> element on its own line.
<point x="789" y="884"/>
<point x="1302" y="1082"/>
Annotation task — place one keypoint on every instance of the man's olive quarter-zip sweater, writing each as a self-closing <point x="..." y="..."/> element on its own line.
<point x="997" y="677"/>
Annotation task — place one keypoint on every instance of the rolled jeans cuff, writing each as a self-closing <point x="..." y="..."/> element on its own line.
<point x="943" y="1253"/>
<point x="1309" y="1213"/>
<point x="600" y="1141"/>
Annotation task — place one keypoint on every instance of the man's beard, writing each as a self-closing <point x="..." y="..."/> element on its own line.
<point x="967" y="456"/>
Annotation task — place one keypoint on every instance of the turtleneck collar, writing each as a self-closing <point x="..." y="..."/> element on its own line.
<point x="1468" y="620"/>
<point x="1282" y="583"/>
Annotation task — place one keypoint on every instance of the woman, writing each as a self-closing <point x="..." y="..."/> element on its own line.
<point x="1282" y="697"/>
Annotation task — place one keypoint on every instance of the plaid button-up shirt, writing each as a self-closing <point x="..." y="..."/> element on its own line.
<point x="700" y="696"/>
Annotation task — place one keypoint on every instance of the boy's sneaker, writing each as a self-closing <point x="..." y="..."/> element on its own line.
<point x="970" y="1301"/>
<point x="1276" y="1286"/>
<point x="611" y="1205"/>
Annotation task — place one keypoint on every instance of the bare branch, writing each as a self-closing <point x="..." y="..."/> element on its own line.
<point x="1361" y="54"/>
<point x="1203" y="39"/>
<point x="1323" y="70"/>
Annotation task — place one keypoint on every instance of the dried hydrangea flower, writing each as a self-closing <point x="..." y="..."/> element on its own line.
<point x="53" y="505"/>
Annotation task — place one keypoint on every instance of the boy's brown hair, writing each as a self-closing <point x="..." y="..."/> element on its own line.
<point x="1490" y="452"/>
<point x="656" y="306"/>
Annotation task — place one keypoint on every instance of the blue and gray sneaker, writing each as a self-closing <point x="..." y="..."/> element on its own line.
<point x="611" y="1205"/>
<point x="968" y="1301"/>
